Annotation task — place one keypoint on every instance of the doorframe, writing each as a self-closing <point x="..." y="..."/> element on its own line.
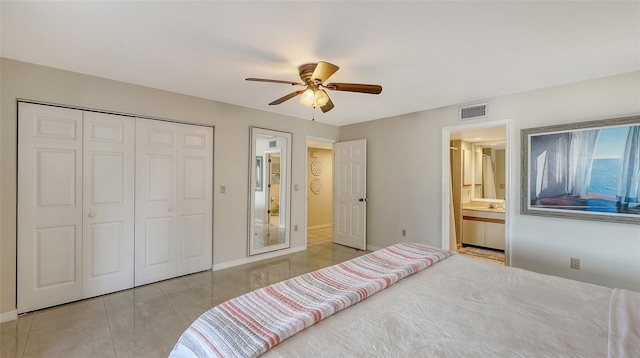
<point x="306" y="179"/>
<point x="446" y="179"/>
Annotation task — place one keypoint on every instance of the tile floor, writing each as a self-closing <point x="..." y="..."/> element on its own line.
<point x="147" y="321"/>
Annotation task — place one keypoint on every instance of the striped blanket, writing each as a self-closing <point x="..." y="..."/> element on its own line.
<point x="249" y="325"/>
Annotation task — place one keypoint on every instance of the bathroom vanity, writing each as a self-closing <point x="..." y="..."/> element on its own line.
<point x="483" y="226"/>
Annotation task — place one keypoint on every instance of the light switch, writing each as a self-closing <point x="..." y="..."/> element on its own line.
<point x="223" y="189"/>
<point x="295" y="187"/>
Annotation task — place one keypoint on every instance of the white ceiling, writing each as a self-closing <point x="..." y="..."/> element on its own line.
<point x="424" y="54"/>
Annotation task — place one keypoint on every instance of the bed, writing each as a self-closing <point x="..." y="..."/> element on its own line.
<point x="435" y="303"/>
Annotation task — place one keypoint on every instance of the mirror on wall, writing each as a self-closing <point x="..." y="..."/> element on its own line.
<point x="488" y="170"/>
<point x="269" y="190"/>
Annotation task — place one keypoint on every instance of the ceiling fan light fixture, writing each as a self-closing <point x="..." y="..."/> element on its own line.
<point x="321" y="98"/>
<point x="308" y="98"/>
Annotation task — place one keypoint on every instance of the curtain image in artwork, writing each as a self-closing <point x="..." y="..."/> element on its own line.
<point x="591" y="170"/>
<point x="629" y="185"/>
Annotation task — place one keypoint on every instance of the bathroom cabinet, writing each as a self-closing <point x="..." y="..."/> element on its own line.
<point x="483" y="228"/>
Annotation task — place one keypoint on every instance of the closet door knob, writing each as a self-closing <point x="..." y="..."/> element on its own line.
<point x="170" y="209"/>
<point x="92" y="215"/>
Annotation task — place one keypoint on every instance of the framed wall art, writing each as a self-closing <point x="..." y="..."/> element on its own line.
<point x="587" y="170"/>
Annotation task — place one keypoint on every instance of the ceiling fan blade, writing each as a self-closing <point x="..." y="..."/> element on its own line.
<point x="286" y="98"/>
<point x="323" y="71"/>
<point x="327" y="107"/>
<point x="354" y="87"/>
<point x="275" y="81"/>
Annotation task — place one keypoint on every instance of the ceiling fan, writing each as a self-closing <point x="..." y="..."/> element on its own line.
<point x="313" y="76"/>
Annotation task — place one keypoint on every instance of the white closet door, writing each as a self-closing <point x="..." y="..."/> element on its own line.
<point x="155" y="216"/>
<point x="49" y="206"/>
<point x="195" y="178"/>
<point x="108" y="209"/>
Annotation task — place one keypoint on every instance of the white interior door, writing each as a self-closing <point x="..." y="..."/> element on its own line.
<point x="108" y="209"/>
<point x="350" y="193"/>
<point x="195" y="198"/>
<point x="155" y="213"/>
<point x="49" y="206"/>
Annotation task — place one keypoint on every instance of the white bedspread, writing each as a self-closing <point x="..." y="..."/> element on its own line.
<point x="465" y="308"/>
<point x="624" y="324"/>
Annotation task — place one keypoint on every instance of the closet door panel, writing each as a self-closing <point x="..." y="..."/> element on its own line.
<point x="56" y="177"/>
<point x="159" y="242"/>
<point x="159" y="180"/>
<point x="49" y="206"/>
<point x="55" y="256"/>
<point x="103" y="244"/>
<point x="156" y="209"/>
<point x="193" y="235"/>
<point x="195" y="193"/>
<point x="108" y="203"/>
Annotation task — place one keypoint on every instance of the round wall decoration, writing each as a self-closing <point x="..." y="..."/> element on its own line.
<point x="316" y="185"/>
<point x="316" y="167"/>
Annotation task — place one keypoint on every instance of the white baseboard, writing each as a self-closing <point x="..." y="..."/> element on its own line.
<point x="319" y="226"/>
<point x="8" y="316"/>
<point x="373" y="248"/>
<point x="260" y="257"/>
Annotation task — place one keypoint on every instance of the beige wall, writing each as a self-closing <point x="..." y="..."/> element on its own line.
<point x="404" y="181"/>
<point x="231" y="149"/>
<point x="320" y="205"/>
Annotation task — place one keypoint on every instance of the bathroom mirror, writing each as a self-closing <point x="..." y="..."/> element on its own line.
<point x="269" y="190"/>
<point x="489" y="171"/>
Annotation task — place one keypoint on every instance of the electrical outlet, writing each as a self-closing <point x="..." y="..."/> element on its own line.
<point x="404" y="232"/>
<point x="223" y="189"/>
<point x="575" y="263"/>
<point x="295" y="227"/>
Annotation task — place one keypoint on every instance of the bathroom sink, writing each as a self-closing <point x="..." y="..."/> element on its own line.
<point x="483" y="208"/>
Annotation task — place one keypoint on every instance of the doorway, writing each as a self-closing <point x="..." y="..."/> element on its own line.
<point x="319" y="189"/>
<point x="476" y="183"/>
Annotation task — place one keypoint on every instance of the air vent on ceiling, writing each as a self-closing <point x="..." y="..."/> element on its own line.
<point x="473" y="112"/>
<point x="273" y="144"/>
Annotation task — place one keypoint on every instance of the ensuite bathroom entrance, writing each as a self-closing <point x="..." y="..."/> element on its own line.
<point x="478" y="182"/>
